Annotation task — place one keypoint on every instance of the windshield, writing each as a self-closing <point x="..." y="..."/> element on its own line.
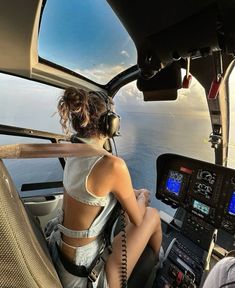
<point x="149" y="129"/>
<point x="86" y="37"/>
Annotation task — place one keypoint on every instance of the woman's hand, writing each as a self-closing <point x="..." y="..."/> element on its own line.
<point x="142" y="200"/>
<point x="143" y="193"/>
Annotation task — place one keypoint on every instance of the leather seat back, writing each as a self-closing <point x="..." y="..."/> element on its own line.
<point x="24" y="259"/>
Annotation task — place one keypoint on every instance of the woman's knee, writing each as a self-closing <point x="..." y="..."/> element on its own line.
<point x="152" y="217"/>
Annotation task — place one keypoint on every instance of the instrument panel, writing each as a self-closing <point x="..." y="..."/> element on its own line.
<point x="204" y="189"/>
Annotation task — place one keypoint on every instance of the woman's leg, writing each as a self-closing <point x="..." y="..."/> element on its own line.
<point x="137" y="238"/>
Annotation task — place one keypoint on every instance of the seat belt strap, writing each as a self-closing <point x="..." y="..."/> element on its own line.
<point x="82" y="271"/>
<point x="95" y="272"/>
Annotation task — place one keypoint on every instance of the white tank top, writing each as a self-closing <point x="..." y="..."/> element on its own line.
<point x="76" y="173"/>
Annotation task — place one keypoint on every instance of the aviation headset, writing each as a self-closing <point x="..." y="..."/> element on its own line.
<point x="109" y="120"/>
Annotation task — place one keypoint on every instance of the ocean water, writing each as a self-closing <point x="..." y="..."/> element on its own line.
<point x="144" y="137"/>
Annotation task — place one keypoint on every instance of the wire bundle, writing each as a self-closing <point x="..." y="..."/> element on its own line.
<point x="124" y="251"/>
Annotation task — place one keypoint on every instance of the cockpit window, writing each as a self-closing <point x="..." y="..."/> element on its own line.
<point x="86" y="37"/>
<point x="149" y="129"/>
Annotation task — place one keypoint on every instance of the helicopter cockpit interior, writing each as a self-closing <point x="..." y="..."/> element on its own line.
<point x="206" y="193"/>
<point x="198" y="36"/>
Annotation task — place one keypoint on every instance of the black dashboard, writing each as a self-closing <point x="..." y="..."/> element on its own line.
<point x="204" y="189"/>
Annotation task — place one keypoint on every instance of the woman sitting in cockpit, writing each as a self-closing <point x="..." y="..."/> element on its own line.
<point x="93" y="185"/>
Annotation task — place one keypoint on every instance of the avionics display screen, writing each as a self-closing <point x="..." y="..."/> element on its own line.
<point x="231" y="207"/>
<point x="201" y="207"/>
<point x="174" y="181"/>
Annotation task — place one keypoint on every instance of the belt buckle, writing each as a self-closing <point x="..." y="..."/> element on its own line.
<point x="93" y="276"/>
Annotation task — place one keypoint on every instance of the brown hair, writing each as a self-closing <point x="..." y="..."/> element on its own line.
<point x="82" y="109"/>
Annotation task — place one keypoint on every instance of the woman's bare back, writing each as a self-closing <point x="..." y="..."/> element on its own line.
<point x="78" y="216"/>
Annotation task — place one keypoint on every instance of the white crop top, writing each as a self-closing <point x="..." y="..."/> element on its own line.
<point x="76" y="172"/>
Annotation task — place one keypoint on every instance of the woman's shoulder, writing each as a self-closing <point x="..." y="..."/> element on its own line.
<point x="114" y="162"/>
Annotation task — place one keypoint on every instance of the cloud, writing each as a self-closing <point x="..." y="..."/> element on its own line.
<point x="190" y="101"/>
<point x="124" y="53"/>
<point x="102" y="73"/>
<point x="129" y="94"/>
<point x="129" y="98"/>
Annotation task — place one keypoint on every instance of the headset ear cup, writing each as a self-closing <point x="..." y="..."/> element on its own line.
<point x="112" y="124"/>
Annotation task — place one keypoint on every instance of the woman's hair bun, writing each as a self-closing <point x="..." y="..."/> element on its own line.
<point x="83" y="111"/>
<point x="74" y="102"/>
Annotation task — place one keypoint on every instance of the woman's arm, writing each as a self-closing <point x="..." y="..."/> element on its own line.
<point x="133" y="202"/>
<point x="112" y="174"/>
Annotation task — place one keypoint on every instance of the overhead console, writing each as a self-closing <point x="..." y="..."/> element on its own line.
<point x="204" y="189"/>
<point x="165" y="31"/>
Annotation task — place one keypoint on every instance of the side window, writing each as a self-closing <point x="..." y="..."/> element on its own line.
<point x="28" y="104"/>
<point x="33" y="171"/>
<point x="149" y="129"/>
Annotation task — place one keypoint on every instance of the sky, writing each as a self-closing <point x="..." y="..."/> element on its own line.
<point x="94" y="43"/>
<point x="87" y="37"/>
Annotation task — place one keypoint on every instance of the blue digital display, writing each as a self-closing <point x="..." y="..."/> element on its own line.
<point x="231" y="207"/>
<point x="174" y="181"/>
